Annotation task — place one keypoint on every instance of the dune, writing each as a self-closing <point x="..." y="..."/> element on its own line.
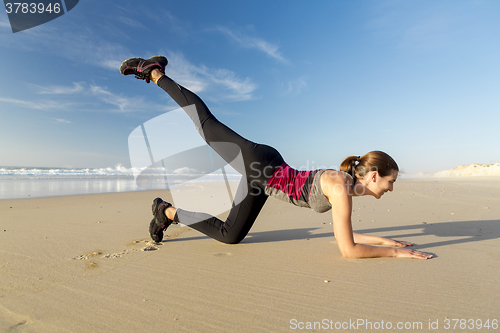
<point x="473" y="170"/>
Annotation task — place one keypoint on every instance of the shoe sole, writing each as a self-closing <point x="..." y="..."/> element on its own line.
<point x="158" y="236"/>
<point x="154" y="206"/>
<point x="159" y="59"/>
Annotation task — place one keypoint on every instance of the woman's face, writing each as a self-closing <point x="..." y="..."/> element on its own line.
<point x="380" y="185"/>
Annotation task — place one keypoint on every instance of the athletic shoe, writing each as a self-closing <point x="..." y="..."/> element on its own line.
<point x="160" y="222"/>
<point x="142" y="68"/>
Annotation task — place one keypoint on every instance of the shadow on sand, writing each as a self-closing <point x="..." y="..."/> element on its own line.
<point x="453" y="232"/>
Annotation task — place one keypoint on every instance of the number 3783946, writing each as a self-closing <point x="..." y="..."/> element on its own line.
<point x="32" y="8"/>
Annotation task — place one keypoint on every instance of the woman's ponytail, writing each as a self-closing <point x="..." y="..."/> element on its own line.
<point x="349" y="164"/>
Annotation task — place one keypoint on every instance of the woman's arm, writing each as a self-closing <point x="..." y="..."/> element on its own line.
<point x="335" y="189"/>
<point x="342" y="229"/>
<point x="350" y="248"/>
<point x="375" y="240"/>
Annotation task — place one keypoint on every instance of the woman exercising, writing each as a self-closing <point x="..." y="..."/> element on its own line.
<point x="267" y="174"/>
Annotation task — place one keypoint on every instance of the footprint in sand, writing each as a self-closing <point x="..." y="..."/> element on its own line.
<point x="91" y="265"/>
<point x="118" y="254"/>
<point x="149" y="246"/>
<point x="88" y="256"/>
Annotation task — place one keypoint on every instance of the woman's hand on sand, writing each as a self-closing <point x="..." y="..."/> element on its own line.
<point x="414" y="254"/>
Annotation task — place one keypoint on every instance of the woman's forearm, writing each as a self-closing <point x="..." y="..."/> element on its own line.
<point x="367" y="239"/>
<point x="368" y="251"/>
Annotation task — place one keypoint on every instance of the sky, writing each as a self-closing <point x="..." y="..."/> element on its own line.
<point x="317" y="80"/>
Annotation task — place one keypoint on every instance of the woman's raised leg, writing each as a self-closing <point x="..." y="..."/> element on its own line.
<point x="259" y="161"/>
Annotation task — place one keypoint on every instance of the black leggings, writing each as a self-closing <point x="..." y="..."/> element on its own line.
<point x="259" y="163"/>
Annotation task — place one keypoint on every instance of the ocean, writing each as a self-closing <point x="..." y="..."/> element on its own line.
<point x="32" y="182"/>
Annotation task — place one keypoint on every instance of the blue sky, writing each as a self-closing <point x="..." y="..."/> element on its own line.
<point x="318" y="80"/>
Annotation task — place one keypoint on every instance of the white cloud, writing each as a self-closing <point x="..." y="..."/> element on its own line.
<point x="130" y="22"/>
<point x="87" y="48"/>
<point x="82" y="48"/>
<point x="38" y="105"/>
<point x="78" y="95"/>
<point x="4" y="24"/>
<point x="224" y="83"/>
<point x="62" y="121"/>
<point x="221" y="84"/>
<point x="426" y="28"/>
<point x="295" y="86"/>
<point x="249" y="42"/>
<point x="125" y="104"/>
<point x="186" y="171"/>
<point x="60" y="90"/>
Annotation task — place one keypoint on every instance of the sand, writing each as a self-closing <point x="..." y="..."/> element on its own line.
<point x="85" y="264"/>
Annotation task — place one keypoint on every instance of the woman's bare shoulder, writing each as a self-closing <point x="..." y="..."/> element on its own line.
<point x="331" y="176"/>
<point x="333" y="180"/>
<point x="335" y="185"/>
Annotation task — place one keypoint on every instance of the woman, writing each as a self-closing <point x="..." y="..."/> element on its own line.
<point x="266" y="173"/>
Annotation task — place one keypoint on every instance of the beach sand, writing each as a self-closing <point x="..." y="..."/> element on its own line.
<point x="76" y="264"/>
